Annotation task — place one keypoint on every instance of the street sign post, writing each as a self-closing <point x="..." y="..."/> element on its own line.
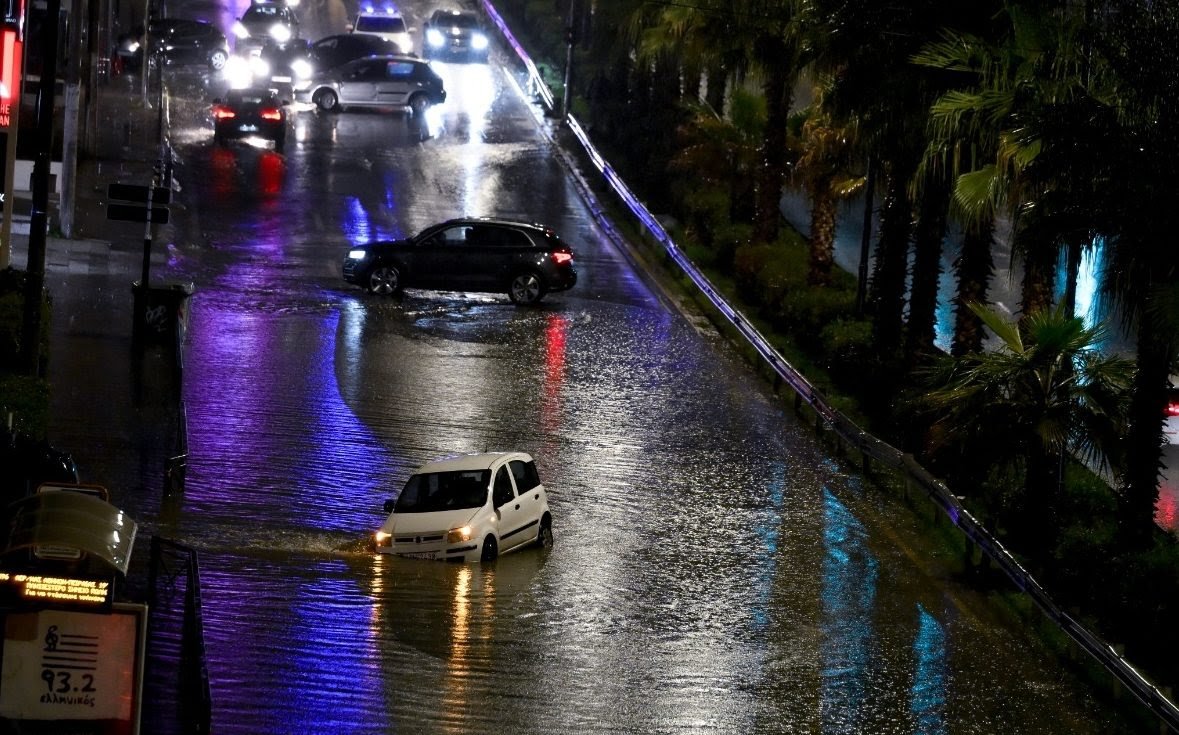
<point x="136" y="193"/>
<point x="137" y="213"/>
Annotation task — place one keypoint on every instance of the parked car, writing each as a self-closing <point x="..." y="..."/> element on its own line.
<point x="262" y="21"/>
<point x="1171" y="424"/>
<point x="389" y="25"/>
<point x="181" y="42"/>
<point x="472" y="254"/>
<point x="175" y="42"/>
<point x="253" y="112"/>
<point x="455" y="33"/>
<point x="473" y="507"/>
<point x="387" y="82"/>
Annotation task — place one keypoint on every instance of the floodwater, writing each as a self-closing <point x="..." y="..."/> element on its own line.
<point x="715" y="568"/>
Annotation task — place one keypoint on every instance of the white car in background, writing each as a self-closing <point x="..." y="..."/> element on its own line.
<point x="472" y="507"/>
<point x="389" y="25"/>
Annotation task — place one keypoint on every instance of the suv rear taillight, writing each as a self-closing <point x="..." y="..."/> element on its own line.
<point x="562" y="257"/>
<point x="1173" y="408"/>
<point x="223" y="113"/>
<point x="273" y="114"/>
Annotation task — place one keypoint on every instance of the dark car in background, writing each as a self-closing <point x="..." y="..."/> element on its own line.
<point x="253" y="112"/>
<point x="175" y="42"/>
<point x="262" y="21"/>
<point x="181" y="42"/>
<point x="385" y="82"/>
<point x="480" y="254"/>
<point x="455" y="33"/>
<point x="332" y="51"/>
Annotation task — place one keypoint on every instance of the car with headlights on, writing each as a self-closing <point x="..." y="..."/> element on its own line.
<point x="387" y="24"/>
<point x="253" y="112"/>
<point x="262" y="21"/>
<point x="478" y="254"/>
<point x="471" y="507"/>
<point x="384" y="82"/>
<point x="454" y="34"/>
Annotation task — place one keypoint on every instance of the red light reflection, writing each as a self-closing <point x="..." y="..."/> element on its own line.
<point x="555" y="334"/>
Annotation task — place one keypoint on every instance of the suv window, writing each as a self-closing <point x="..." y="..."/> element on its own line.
<point x="503" y="492"/>
<point x="525" y="474"/>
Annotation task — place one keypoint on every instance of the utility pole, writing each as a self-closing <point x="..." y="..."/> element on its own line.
<point x="39" y="216"/>
<point x="570" y="40"/>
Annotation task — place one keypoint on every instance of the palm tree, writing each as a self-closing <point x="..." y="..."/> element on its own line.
<point x="760" y="43"/>
<point x="1045" y="394"/>
<point x="824" y="167"/>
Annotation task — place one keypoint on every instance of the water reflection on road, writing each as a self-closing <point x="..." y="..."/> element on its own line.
<point x="716" y="569"/>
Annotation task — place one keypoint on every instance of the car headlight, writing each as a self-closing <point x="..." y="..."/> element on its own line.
<point x="478" y="42"/>
<point x="280" y="33"/>
<point x="356" y="254"/>
<point x="301" y="68"/>
<point x="237" y="72"/>
<point x="259" y="67"/>
<point x="240" y="30"/>
<point x="457" y="535"/>
<point x="381" y="538"/>
<point x="434" y="37"/>
<point x="406" y="46"/>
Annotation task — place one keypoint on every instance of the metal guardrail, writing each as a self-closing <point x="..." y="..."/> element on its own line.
<point x="194" y="693"/>
<point x="844" y="428"/>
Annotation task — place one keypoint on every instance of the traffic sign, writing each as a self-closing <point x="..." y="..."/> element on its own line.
<point x="137" y="213"/>
<point x="135" y="193"/>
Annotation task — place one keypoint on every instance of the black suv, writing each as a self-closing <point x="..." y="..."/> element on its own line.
<point x="332" y="51"/>
<point x="473" y="254"/>
<point x="454" y="33"/>
<point x="262" y="21"/>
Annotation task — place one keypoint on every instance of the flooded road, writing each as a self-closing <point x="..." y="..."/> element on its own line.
<point x="715" y="568"/>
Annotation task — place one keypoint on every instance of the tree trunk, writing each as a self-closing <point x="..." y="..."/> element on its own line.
<point x="974" y="267"/>
<point x="822" y="243"/>
<point x="776" y="58"/>
<point x="927" y="269"/>
<point x="1144" y="439"/>
<point x="892" y="252"/>
<point x="1039" y="277"/>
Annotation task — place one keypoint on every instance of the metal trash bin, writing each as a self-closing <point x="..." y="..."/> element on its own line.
<point x="161" y="312"/>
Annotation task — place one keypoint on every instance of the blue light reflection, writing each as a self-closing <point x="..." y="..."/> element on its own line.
<point x="929" y="676"/>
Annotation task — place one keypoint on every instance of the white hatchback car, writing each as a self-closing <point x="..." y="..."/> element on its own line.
<point x="471" y="507"/>
<point x="387" y="25"/>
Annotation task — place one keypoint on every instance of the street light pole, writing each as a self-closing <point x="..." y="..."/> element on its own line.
<point x="570" y="39"/>
<point x="39" y="215"/>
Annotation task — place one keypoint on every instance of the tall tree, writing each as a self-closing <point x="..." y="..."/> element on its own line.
<point x="1046" y="393"/>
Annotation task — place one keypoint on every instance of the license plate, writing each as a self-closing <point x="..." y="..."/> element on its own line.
<point x="419" y="555"/>
<point x="249" y="128"/>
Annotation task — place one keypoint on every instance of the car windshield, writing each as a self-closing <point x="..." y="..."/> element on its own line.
<point x="458" y="21"/>
<point x="380" y="24"/>
<point x="439" y="491"/>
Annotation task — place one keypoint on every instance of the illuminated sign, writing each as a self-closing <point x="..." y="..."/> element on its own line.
<point x="47" y="589"/>
<point x="10" y="74"/>
<point x="81" y="667"/>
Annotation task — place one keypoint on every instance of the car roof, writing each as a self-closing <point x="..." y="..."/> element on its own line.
<point x="465" y="462"/>
<point x="498" y="221"/>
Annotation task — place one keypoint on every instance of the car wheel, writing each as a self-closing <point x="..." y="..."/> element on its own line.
<point x="418" y="104"/>
<point x="326" y="100"/>
<point x="544" y="537"/>
<point x="526" y="288"/>
<point x="490" y="549"/>
<point x="218" y="139"/>
<point x="384" y="280"/>
<point x="218" y="59"/>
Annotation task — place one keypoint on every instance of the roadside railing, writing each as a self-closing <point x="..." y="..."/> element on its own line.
<point x="852" y="437"/>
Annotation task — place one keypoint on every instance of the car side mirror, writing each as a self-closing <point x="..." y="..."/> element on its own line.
<point x="389" y="506"/>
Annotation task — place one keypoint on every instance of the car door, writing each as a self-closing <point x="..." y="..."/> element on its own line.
<point x="530" y="494"/>
<point x="514" y="524"/>
<point x="395" y="84"/>
<point x="358" y="82"/>
<point x="437" y="258"/>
